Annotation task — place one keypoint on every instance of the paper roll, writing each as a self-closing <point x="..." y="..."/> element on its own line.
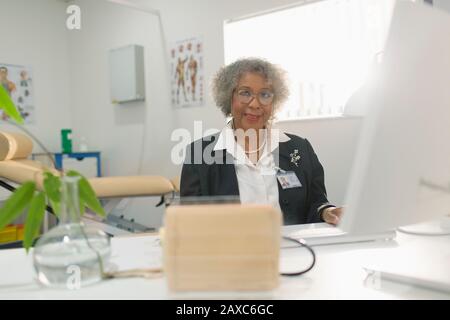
<point x="14" y="146"/>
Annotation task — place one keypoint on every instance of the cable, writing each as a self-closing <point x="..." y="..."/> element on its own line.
<point x="302" y="243"/>
<point x="9" y="187"/>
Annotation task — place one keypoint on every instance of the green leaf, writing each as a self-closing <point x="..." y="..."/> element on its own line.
<point x="52" y="187"/>
<point x="56" y="207"/>
<point x="81" y="206"/>
<point x="16" y="203"/>
<point x="87" y="194"/>
<point x="34" y="220"/>
<point x="8" y="106"/>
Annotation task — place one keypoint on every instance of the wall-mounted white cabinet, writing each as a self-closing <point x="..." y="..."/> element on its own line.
<point x="127" y="78"/>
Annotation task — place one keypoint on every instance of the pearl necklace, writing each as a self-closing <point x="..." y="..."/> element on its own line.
<point x="262" y="145"/>
<point x="257" y="150"/>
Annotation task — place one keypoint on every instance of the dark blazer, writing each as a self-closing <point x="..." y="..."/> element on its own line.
<point x="299" y="205"/>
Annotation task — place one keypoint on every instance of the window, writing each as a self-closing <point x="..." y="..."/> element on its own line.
<point x="327" y="47"/>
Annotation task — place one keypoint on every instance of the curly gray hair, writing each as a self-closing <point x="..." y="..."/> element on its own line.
<point x="227" y="79"/>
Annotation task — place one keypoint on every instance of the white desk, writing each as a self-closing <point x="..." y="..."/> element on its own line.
<point x="338" y="274"/>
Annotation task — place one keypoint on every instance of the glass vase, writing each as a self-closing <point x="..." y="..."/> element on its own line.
<point x="71" y="254"/>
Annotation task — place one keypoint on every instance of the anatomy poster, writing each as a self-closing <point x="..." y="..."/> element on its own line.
<point x="18" y="82"/>
<point x="186" y="73"/>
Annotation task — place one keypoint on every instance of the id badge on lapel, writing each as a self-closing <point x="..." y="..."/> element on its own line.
<point x="288" y="179"/>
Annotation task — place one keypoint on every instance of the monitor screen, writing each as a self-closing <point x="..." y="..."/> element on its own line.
<point x="401" y="173"/>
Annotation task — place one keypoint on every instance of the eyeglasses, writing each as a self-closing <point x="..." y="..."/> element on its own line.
<point x="265" y="97"/>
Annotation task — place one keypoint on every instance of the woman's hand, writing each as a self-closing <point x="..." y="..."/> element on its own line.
<point x="332" y="215"/>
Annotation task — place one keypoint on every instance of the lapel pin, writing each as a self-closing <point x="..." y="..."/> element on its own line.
<point x="295" y="157"/>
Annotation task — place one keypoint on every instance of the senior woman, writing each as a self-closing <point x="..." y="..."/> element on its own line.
<point x="249" y="158"/>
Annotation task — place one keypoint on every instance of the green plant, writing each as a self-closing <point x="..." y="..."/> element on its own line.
<point x="27" y="198"/>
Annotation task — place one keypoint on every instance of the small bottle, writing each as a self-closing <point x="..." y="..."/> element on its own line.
<point x="66" y="140"/>
<point x="83" y="144"/>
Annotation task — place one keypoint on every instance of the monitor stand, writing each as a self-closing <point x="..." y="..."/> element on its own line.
<point x="440" y="227"/>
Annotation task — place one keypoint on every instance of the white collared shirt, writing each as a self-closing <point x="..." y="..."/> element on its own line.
<point x="257" y="182"/>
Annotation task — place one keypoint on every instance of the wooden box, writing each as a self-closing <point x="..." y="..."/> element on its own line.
<point x="221" y="247"/>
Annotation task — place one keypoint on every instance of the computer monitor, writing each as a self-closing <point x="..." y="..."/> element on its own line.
<point x="401" y="171"/>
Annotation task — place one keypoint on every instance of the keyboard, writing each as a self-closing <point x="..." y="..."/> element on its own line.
<point x="316" y="232"/>
<point x="324" y="234"/>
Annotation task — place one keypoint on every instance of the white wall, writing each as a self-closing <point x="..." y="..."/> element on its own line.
<point x="33" y="33"/>
<point x="118" y="130"/>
